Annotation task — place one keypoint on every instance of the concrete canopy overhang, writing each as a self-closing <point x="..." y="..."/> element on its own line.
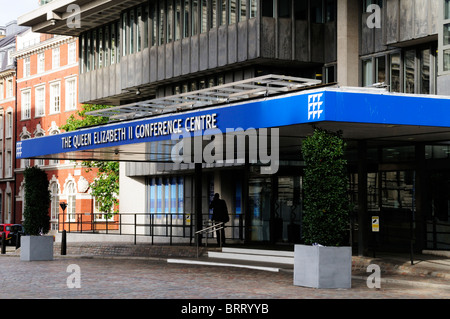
<point x="373" y="115"/>
<point x="72" y="17"/>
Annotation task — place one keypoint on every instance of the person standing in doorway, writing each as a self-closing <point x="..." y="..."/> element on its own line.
<point x="220" y="215"/>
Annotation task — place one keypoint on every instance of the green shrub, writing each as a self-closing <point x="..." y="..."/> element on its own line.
<point x="37" y="202"/>
<point x="326" y="216"/>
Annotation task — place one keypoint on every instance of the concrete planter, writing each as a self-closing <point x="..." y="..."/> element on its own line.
<point x="36" y="248"/>
<point x="323" y="267"/>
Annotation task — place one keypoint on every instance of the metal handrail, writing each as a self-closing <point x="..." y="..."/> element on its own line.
<point x="208" y="230"/>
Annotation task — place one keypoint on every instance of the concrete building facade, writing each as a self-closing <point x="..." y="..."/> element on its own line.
<point x="140" y="56"/>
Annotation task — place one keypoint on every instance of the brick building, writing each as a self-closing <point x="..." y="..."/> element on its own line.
<point x="7" y="107"/>
<point x="47" y="86"/>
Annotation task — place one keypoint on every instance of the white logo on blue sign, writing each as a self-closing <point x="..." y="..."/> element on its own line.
<point x="314" y="106"/>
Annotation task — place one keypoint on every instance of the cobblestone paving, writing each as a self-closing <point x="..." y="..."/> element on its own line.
<point x="139" y="279"/>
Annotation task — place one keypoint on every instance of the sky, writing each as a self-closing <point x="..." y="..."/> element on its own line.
<point x="12" y="9"/>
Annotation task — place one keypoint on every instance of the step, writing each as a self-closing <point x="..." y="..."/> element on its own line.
<point x="221" y="264"/>
<point x="255" y="255"/>
<point x="265" y="252"/>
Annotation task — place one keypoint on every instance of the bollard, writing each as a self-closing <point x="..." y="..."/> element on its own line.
<point x="63" y="243"/>
<point x="3" y="243"/>
<point x="17" y="240"/>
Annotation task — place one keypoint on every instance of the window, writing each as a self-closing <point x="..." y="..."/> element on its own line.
<point x="131" y="30"/>
<point x="9" y="88"/>
<point x="1" y="125"/>
<point x="138" y="29"/>
<point x="55" y="98"/>
<point x="367" y="72"/>
<point x="40" y="101"/>
<point x="447" y="9"/>
<point x="380" y="69"/>
<point x="232" y="12"/>
<point x="26" y="67"/>
<point x="267" y="8"/>
<point x="41" y="63"/>
<point x="71" y="201"/>
<point x="395" y="72"/>
<point x="425" y="67"/>
<point x="177" y="20"/>
<point x="203" y="16"/>
<point x="10" y="57"/>
<point x="169" y="22"/>
<point x="124" y="37"/>
<point x="8" y="164"/>
<point x="254" y="6"/>
<point x="99" y="215"/>
<point x="72" y="53"/>
<point x="9" y="124"/>
<point x="24" y="163"/>
<point x="54" y="130"/>
<point x="26" y="105"/>
<point x="446" y="55"/>
<point x="153" y="17"/>
<point x="316" y="12"/>
<point x="242" y="10"/>
<point x="55" y="58"/>
<point x="113" y="44"/>
<point x="166" y="196"/>
<point x="54" y="206"/>
<point x="195" y="20"/>
<point x="186" y="19"/>
<point x="223" y="12"/>
<point x="284" y="8"/>
<point x="213" y="11"/>
<point x="145" y="16"/>
<point x="71" y="94"/>
<point x="409" y="71"/>
<point x="161" y="22"/>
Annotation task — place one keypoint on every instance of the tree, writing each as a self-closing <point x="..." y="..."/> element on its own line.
<point x="105" y="187"/>
<point x="326" y="216"/>
<point x="37" y="202"/>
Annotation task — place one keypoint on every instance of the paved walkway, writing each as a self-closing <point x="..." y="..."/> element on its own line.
<point x="134" y="277"/>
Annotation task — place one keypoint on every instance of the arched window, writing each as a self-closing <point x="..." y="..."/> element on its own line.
<point x="71" y="201"/>
<point x="54" y="193"/>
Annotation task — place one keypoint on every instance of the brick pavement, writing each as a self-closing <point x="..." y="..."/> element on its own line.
<point x="133" y="278"/>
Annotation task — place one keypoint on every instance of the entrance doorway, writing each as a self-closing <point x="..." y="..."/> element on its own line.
<point x="275" y="207"/>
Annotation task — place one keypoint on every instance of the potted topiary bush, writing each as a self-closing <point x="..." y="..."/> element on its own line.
<point x="324" y="261"/>
<point x="36" y="246"/>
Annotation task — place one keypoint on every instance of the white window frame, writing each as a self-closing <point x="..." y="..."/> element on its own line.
<point x="9" y="124"/>
<point x="55" y="97"/>
<point x="26" y="105"/>
<point x="39" y="96"/>
<point x="56" y="58"/>
<point x="71" y="192"/>
<point x="72" y="53"/>
<point x="26" y="67"/>
<point x="9" y="88"/>
<point x="100" y="216"/>
<point x="71" y="94"/>
<point x="41" y="63"/>
<point x="10" y="57"/>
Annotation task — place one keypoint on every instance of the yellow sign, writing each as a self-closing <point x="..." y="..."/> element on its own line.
<point x="375" y="223"/>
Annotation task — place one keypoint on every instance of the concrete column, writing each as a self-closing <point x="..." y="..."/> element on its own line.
<point x="363" y="216"/>
<point x="198" y="179"/>
<point x="348" y="42"/>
